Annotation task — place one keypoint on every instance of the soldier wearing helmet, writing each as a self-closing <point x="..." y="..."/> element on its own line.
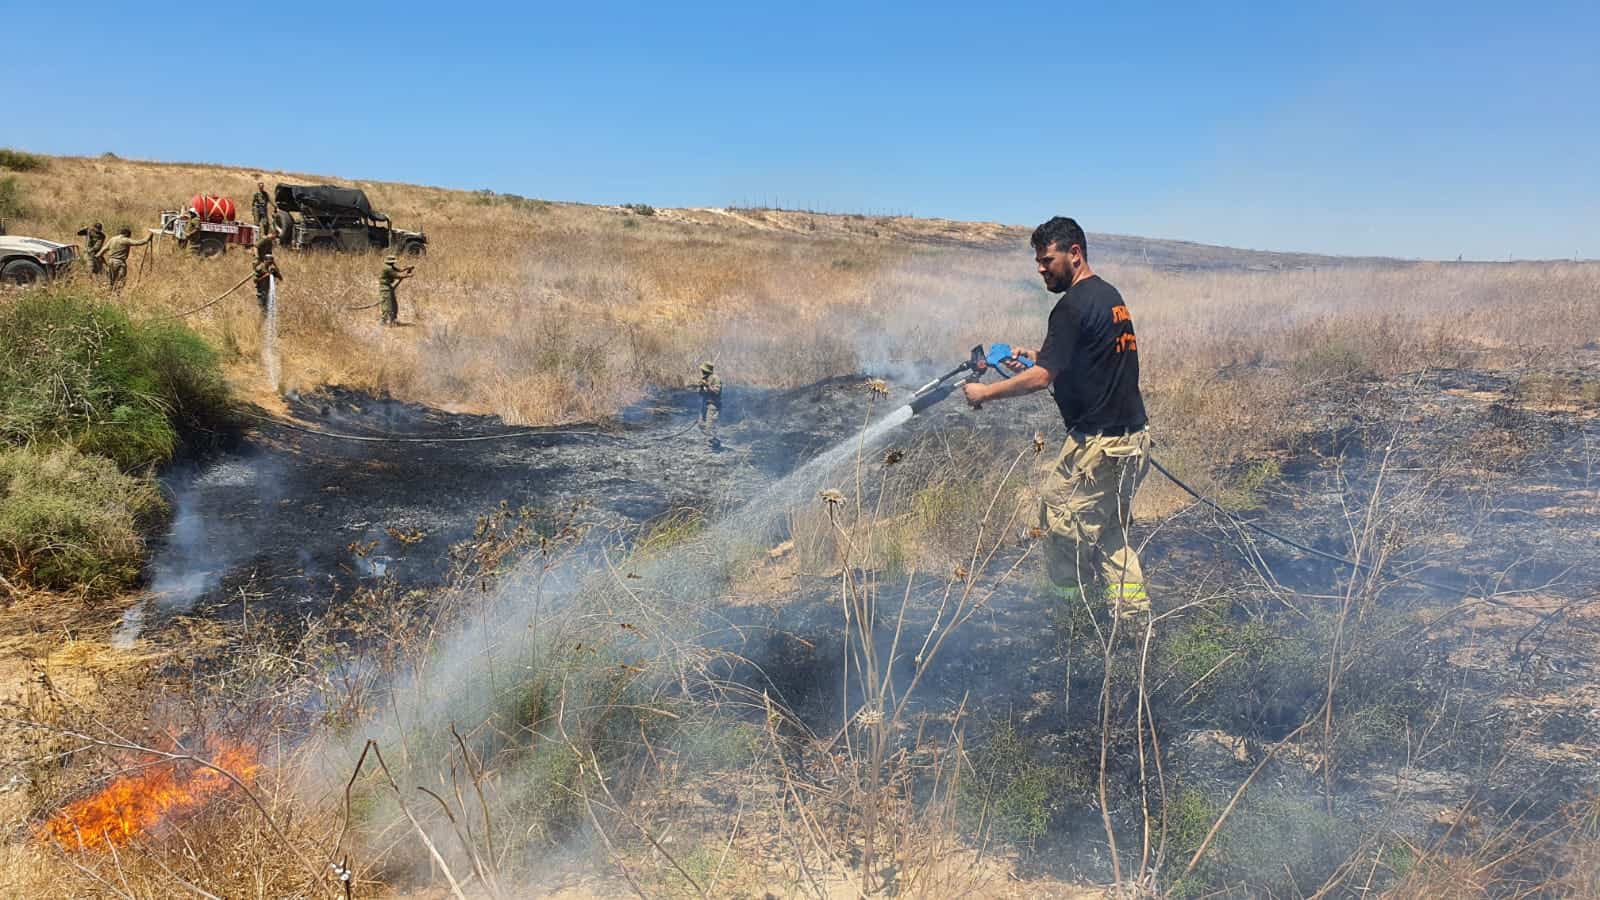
<point x="265" y="272"/>
<point x="710" y="388"/>
<point x="388" y="280"/>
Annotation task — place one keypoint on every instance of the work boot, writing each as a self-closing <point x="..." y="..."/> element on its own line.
<point x="1071" y="596"/>
<point x="1128" y="601"/>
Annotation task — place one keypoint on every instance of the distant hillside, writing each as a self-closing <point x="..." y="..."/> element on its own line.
<point x="1154" y="252"/>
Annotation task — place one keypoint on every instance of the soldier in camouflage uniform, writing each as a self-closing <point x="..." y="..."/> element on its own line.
<point x="710" y="388"/>
<point x="264" y="244"/>
<point x="191" y="233"/>
<point x="265" y="271"/>
<point x="259" y="202"/>
<point x="115" y="253"/>
<point x="94" y="237"/>
<point x="388" y="280"/>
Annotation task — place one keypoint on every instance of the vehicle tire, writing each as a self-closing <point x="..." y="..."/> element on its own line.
<point x="414" y="248"/>
<point x="22" y="273"/>
<point x="285" y="227"/>
<point x="212" y="246"/>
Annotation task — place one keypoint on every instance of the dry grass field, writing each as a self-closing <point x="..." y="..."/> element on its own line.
<point x="546" y="313"/>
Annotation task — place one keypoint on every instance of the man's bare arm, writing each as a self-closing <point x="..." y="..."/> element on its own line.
<point x="1026" y="382"/>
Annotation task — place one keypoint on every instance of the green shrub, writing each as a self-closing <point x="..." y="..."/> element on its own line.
<point x="1247" y="491"/>
<point x="21" y="161"/>
<point x="79" y="372"/>
<point x="640" y="209"/>
<point x="1011" y="791"/>
<point x="71" y="520"/>
<point x="12" y="202"/>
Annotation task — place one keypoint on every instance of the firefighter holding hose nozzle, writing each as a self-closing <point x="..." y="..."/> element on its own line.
<point x="265" y="273"/>
<point x="1090" y="362"/>
<point x="710" y="389"/>
<point x="388" y="282"/>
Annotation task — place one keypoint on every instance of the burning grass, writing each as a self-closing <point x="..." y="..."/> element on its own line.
<point x="138" y="804"/>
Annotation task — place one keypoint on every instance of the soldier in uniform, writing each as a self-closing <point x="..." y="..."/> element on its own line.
<point x="265" y="271"/>
<point x="710" y="388"/>
<point x="388" y="280"/>
<point x="192" y="233"/>
<point x="115" y="253"/>
<point x="94" y="237"/>
<point x="259" y="202"/>
<point x="264" y="243"/>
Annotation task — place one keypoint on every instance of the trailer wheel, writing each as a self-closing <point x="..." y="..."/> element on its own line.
<point x="22" y="273"/>
<point x="285" y="227"/>
<point x="212" y="246"/>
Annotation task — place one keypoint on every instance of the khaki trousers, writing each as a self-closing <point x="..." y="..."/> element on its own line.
<point x="1085" y="509"/>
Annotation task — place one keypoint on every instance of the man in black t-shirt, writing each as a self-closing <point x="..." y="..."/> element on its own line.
<point x="1090" y="361"/>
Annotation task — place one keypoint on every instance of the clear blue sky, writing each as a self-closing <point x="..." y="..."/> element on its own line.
<point x="1415" y="130"/>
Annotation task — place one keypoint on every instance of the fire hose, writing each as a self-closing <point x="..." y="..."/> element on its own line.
<point x="379" y="301"/>
<point x="462" y="439"/>
<point x="1001" y="358"/>
<point x="406" y="439"/>
<point x="146" y="261"/>
<point x="208" y="304"/>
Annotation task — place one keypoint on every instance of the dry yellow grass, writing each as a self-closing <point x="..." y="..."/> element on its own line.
<point x="543" y="312"/>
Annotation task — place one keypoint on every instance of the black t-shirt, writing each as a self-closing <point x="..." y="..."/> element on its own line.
<point x="1092" y="351"/>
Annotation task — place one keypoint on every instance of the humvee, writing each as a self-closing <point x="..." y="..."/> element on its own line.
<point x="25" y="261"/>
<point x="324" y="217"/>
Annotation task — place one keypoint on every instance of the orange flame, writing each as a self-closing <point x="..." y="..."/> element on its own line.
<point x="132" y="805"/>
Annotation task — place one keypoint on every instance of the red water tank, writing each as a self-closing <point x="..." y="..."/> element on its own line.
<point x="213" y="209"/>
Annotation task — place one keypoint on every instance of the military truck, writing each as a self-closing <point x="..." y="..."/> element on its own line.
<point x="25" y="261"/>
<point x="212" y="238"/>
<point x="324" y="217"/>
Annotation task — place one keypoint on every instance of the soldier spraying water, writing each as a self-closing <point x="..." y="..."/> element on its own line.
<point x="388" y="282"/>
<point x="710" y="388"/>
<point x="265" y="272"/>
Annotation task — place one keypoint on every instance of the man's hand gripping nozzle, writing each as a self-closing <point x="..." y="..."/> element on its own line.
<point x="999" y="357"/>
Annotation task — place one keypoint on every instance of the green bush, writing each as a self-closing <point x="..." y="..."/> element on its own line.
<point x="1010" y="791"/>
<point x="79" y="372"/>
<point x="69" y="519"/>
<point x="21" y="161"/>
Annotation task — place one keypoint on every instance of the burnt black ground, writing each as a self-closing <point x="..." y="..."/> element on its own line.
<point x="1505" y="497"/>
<point x="277" y="519"/>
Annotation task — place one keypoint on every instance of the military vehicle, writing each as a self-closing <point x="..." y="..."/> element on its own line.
<point x="212" y="238"/>
<point x="28" y="260"/>
<point x="324" y="217"/>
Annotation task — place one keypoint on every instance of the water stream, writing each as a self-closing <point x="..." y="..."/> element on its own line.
<point x="269" y="334"/>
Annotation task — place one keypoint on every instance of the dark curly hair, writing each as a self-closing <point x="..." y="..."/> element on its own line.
<point x="1061" y="231"/>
